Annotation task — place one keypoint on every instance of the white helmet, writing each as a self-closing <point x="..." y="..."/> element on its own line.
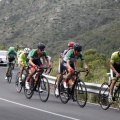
<point x="26" y="50"/>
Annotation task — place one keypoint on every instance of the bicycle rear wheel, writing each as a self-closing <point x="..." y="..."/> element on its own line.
<point x="9" y="75"/>
<point x="18" y="85"/>
<point x="103" y="96"/>
<point x="80" y="93"/>
<point x="29" y="92"/>
<point x="44" y="89"/>
<point x="64" y="95"/>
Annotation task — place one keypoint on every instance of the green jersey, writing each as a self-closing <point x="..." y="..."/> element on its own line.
<point x="34" y="55"/>
<point x="70" y="56"/>
<point x="11" y="52"/>
<point x="115" y="57"/>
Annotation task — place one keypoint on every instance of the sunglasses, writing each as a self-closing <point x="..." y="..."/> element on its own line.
<point x="41" y="49"/>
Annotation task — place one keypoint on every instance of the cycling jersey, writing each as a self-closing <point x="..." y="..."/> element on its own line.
<point x="12" y="53"/>
<point x="115" y="57"/>
<point x="36" y="58"/>
<point x="19" y="52"/>
<point x="64" y="53"/>
<point x="22" y="58"/>
<point x="70" y="56"/>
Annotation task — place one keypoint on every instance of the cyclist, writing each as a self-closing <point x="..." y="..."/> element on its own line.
<point x="11" y="56"/>
<point x="22" y="58"/>
<point x="115" y="71"/>
<point x="70" y="46"/>
<point x="34" y="60"/>
<point x="70" y="63"/>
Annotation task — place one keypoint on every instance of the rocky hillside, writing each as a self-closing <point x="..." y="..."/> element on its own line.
<point x="93" y="23"/>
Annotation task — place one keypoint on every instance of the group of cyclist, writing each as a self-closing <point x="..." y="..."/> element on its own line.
<point x="31" y="58"/>
<point x="68" y="61"/>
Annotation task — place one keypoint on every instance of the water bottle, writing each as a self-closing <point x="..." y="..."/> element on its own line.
<point x="23" y="76"/>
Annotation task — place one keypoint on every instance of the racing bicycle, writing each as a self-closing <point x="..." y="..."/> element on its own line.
<point x="41" y="85"/>
<point x="104" y="93"/>
<point x="77" y="90"/>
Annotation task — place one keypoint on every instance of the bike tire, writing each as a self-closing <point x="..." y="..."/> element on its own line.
<point x="118" y="99"/>
<point x="18" y="85"/>
<point x="29" y="92"/>
<point x="63" y="93"/>
<point x="44" y="89"/>
<point x="9" y="75"/>
<point x="103" y="96"/>
<point x="80" y="92"/>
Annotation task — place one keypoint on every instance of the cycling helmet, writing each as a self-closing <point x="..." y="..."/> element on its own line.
<point x="12" y="49"/>
<point x="71" y="44"/>
<point x="41" y="46"/>
<point x="77" y="47"/>
<point x="26" y="50"/>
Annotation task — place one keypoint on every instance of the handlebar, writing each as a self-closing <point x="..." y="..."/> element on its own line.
<point x="78" y="71"/>
<point x="47" y="71"/>
<point x="41" y="68"/>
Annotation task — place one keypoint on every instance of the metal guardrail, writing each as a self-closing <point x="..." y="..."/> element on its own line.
<point x="91" y="87"/>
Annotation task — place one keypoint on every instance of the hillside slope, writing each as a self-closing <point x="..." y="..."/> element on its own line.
<point x="93" y="23"/>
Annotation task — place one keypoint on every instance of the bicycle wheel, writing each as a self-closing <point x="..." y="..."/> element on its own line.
<point x="18" y="85"/>
<point x="118" y="98"/>
<point x="80" y="92"/>
<point x="29" y="92"/>
<point x="103" y="96"/>
<point x="9" y="75"/>
<point x="44" y="89"/>
<point x="64" y="95"/>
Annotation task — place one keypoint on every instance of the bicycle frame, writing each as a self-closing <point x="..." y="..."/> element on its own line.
<point x="76" y="79"/>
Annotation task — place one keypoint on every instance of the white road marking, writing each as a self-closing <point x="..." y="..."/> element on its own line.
<point x="38" y="109"/>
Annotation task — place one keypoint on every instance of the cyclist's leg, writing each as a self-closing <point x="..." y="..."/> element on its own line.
<point x="32" y="71"/>
<point x="61" y="68"/>
<point x="68" y="76"/>
<point x="7" y="67"/>
<point x="21" y="71"/>
<point x="113" y="82"/>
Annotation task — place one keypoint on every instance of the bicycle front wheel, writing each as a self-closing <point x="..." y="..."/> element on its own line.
<point x="118" y="98"/>
<point x="18" y="85"/>
<point x="64" y="95"/>
<point x="103" y="96"/>
<point x="44" y="89"/>
<point x="29" y="92"/>
<point x="80" y="92"/>
<point x="9" y="75"/>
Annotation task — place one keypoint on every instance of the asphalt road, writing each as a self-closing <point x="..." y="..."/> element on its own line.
<point x="15" y="106"/>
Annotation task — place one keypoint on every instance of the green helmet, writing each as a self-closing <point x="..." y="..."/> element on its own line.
<point x="11" y="49"/>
